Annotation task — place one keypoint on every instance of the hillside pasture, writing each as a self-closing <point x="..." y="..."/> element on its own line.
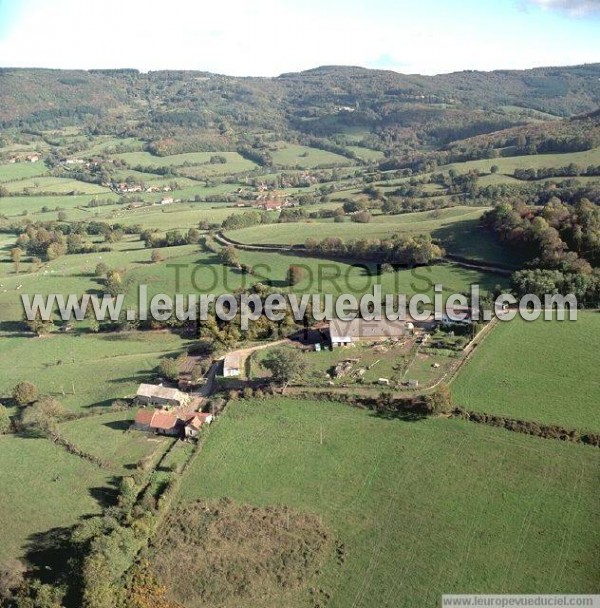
<point x="146" y="159"/>
<point x="367" y="154"/>
<point x="543" y="371"/>
<point x="59" y="185"/>
<point x="508" y="164"/>
<point x="394" y="494"/>
<point x="44" y="489"/>
<point x="15" y="171"/>
<point x="457" y="229"/>
<point x="305" y="157"/>
<point x="110" y="438"/>
<point x="17" y="205"/>
<point x="86" y="369"/>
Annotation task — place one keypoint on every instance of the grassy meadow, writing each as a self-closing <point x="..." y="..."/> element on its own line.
<point x="508" y="164"/>
<point x="44" y="488"/>
<point x="542" y="370"/>
<point x="305" y="157"/>
<point x="456" y="228"/>
<point x="100" y="367"/>
<point x="421" y="507"/>
<point x="110" y="438"/>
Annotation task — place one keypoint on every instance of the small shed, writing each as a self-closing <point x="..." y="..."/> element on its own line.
<point x="231" y="365"/>
<point x="196" y="422"/>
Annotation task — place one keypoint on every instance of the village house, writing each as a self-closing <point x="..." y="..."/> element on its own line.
<point x="270" y="205"/>
<point x="152" y="394"/>
<point x="348" y="333"/>
<point x="231" y="365"/>
<point x="167" y="200"/>
<point x="33" y="158"/>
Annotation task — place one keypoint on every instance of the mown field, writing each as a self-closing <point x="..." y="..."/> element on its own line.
<point x="421" y="507"/>
<point x="44" y="488"/>
<point x="23" y="170"/>
<point x="59" y="185"/>
<point x="542" y="370"/>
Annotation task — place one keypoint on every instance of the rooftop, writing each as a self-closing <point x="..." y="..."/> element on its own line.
<point x="159" y="391"/>
<point x="361" y="328"/>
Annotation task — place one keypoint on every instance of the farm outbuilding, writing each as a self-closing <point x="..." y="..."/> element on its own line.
<point x="347" y="333"/>
<point x="196" y="422"/>
<point x="157" y="394"/>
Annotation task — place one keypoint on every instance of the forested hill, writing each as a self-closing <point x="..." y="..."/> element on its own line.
<point x="421" y="111"/>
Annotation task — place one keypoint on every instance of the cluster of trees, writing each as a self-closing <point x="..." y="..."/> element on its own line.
<point x="563" y="242"/>
<point x="398" y="249"/>
<point x="558" y="234"/>
<point x="244" y="220"/>
<point x="153" y="239"/>
<point x="571" y="170"/>
<point x="52" y="239"/>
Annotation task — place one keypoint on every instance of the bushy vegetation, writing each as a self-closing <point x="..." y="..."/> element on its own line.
<point x="263" y="552"/>
<point x="398" y="249"/>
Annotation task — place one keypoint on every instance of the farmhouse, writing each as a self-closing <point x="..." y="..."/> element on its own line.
<point x="164" y="423"/>
<point x="231" y="365"/>
<point x="347" y="333"/>
<point x="157" y="421"/>
<point x="151" y="394"/>
<point x="167" y="200"/>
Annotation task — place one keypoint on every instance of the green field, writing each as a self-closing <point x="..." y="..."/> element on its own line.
<point x="43" y="488"/>
<point x="543" y="370"/>
<point x="60" y="185"/>
<point x="234" y="163"/>
<point x="381" y="226"/>
<point x="23" y="170"/>
<point x="455" y="227"/>
<point x="366" y="153"/>
<point x="16" y="205"/>
<point x="535" y="161"/>
<point x="109" y="437"/>
<point x="101" y="368"/>
<point x="304" y="157"/>
<point x="204" y="273"/>
<point x="422" y="507"/>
